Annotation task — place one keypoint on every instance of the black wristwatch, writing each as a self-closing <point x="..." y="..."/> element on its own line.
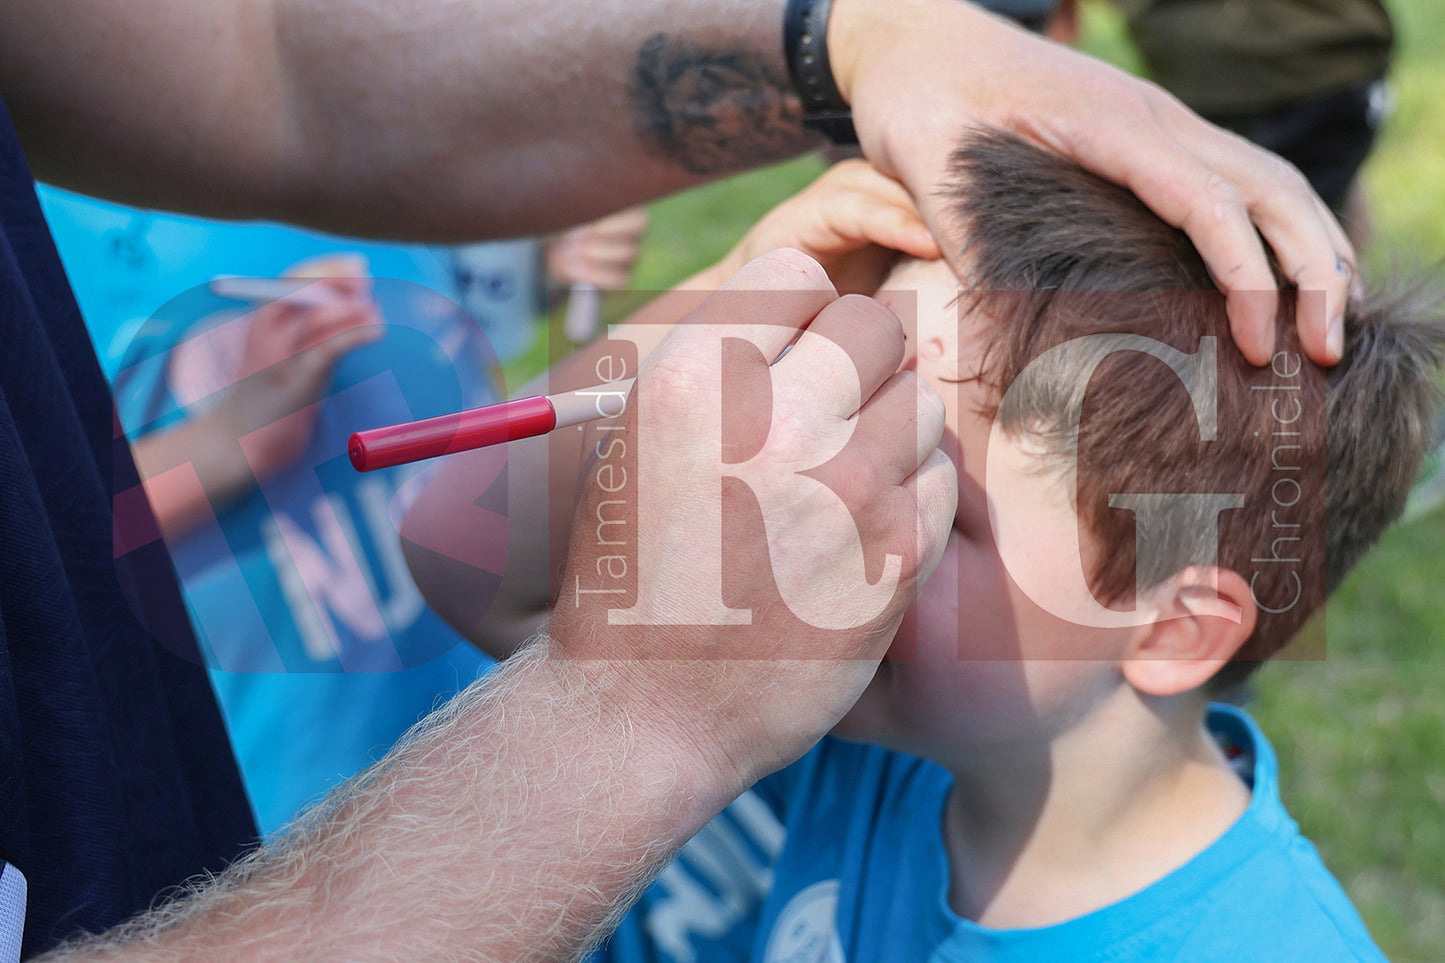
<point x="805" y="46"/>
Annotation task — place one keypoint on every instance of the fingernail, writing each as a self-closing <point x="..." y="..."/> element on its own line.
<point x="1335" y="337"/>
<point x="1267" y="338"/>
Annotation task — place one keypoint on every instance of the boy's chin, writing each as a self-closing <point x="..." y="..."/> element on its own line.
<point x="860" y="723"/>
<point x="905" y="640"/>
<point x="851" y="731"/>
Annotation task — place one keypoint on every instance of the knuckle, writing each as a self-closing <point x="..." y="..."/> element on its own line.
<point x="932" y="413"/>
<point x="787" y="266"/>
<point x="676" y="378"/>
<point x="882" y="328"/>
<point x="1222" y="190"/>
<point x="1137" y="103"/>
<point x="859" y="481"/>
<point x="801" y="428"/>
<point x="1132" y="102"/>
<point x="1217" y="205"/>
<point x="1289" y="178"/>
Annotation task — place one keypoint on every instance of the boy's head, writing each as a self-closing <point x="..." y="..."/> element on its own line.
<point x="1080" y="342"/>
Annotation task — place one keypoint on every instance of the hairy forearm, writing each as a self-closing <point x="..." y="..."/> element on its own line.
<point x="491" y="835"/>
<point x="415" y="118"/>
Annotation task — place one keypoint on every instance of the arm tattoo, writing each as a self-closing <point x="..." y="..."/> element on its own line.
<point x="714" y="111"/>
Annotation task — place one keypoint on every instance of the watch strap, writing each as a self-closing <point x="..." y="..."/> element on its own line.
<point x="805" y="45"/>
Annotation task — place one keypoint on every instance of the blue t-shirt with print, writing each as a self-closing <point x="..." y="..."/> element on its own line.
<point x="322" y="649"/>
<point x="840" y="857"/>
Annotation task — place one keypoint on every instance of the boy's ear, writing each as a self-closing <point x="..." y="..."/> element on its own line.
<point x="1203" y="616"/>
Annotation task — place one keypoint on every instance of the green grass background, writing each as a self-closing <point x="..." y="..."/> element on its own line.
<point x="1361" y="733"/>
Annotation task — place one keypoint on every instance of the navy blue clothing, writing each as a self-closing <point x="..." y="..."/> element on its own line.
<point x="116" y="779"/>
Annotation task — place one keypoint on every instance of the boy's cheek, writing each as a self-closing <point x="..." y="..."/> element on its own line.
<point x="971" y="611"/>
<point x="934" y="616"/>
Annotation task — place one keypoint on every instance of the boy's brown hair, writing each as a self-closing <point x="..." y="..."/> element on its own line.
<point x="1322" y="461"/>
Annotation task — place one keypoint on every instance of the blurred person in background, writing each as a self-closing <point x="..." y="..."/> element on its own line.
<point x="320" y="648"/>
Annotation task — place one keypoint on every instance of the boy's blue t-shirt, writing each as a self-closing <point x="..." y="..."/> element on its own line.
<point x="321" y="649"/>
<point x="840" y="857"/>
